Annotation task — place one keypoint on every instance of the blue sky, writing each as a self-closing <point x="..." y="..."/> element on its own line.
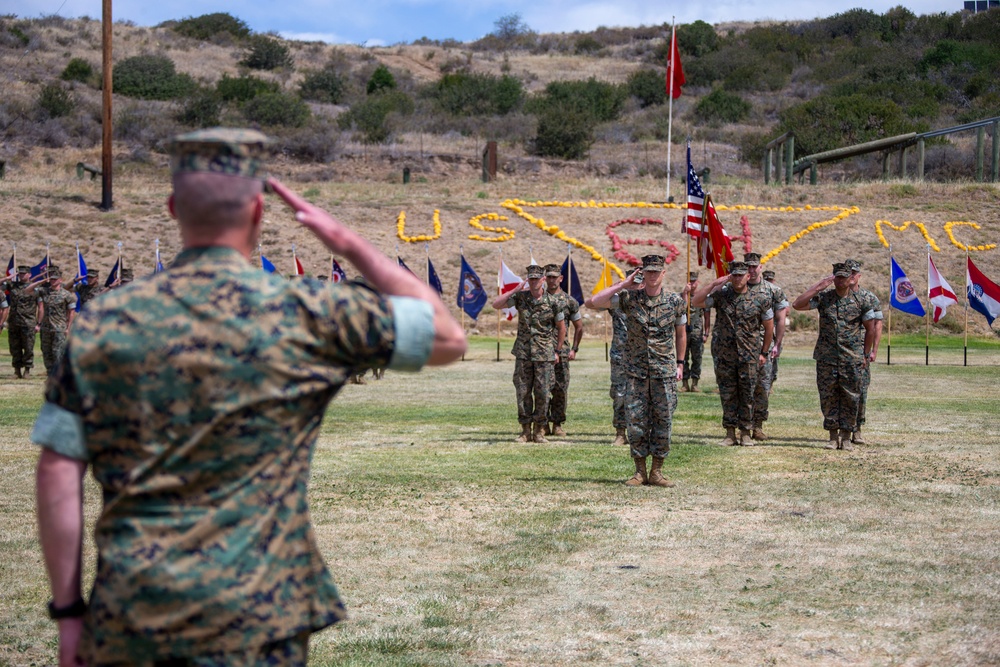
<point x="383" y="22"/>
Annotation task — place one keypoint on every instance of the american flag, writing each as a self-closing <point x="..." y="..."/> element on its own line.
<point x="695" y="203"/>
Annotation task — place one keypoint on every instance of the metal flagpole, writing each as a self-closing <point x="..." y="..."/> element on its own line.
<point x="295" y="265"/>
<point x="927" y="335"/>
<point x="670" y="98"/>
<point x="499" y="289"/>
<point x="461" y="290"/>
<point x="888" y="347"/>
<point x="965" y="347"/>
<point x="15" y="263"/>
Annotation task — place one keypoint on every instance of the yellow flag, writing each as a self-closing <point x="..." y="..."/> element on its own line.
<point x="607" y="279"/>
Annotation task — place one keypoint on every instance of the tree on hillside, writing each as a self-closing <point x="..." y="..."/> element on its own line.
<point x="511" y="30"/>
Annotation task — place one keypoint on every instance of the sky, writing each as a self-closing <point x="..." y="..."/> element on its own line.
<point x="386" y="22"/>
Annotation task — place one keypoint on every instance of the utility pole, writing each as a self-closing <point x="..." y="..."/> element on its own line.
<point x="106" y="166"/>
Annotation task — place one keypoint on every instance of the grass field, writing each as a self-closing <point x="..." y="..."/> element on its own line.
<point x="453" y="545"/>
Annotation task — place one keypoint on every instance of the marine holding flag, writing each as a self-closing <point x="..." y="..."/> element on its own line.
<point x="571" y="313"/>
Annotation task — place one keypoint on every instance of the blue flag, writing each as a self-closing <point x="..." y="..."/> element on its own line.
<point x="113" y="276"/>
<point x="471" y="295"/>
<point x="40" y="268"/>
<point x="337" y="274"/>
<point x="571" y="281"/>
<point x="266" y="264"/>
<point x="159" y="265"/>
<point x="11" y="270"/>
<point x="81" y="268"/>
<point x="432" y="278"/>
<point x="399" y="260"/>
<point x="902" y="296"/>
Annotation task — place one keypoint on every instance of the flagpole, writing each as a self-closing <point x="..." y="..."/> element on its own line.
<point x="295" y="265"/>
<point x="499" y="289"/>
<point x="888" y="347"/>
<point x="15" y="262"/>
<point x="965" y="347"/>
<point x="606" y="278"/>
<point x="927" y="336"/>
<point x="670" y="99"/>
<point x="461" y="252"/>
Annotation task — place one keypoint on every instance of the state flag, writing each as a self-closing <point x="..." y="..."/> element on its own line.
<point x="939" y="292"/>
<point x="902" y="295"/>
<point x="570" y="280"/>
<point x="506" y="281"/>
<point x="471" y="295"/>
<point x="432" y="277"/>
<point x="337" y="274"/>
<point x="606" y="280"/>
<point x="267" y="265"/>
<point x="983" y="293"/>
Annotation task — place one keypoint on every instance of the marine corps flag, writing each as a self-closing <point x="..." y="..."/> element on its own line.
<point x="471" y="295"/>
<point x="714" y="246"/>
<point x="675" y="72"/>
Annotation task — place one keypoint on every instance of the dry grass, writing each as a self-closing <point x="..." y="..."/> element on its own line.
<point x="454" y="546"/>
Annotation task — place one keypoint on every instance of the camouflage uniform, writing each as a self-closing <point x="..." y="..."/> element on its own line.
<point x="737" y="339"/>
<point x="619" y="331"/>
<point x="90" y="289"/>
<point x="211" y="456"/>
<point x="57" y="303"/>
<point x="650" y="368"/>
<point x="21" y="325"/>
<point x="695" y="344"/>
<point x="196" y="397"/>
<point x="560" y="383"/>
<point x="765" y="373"/>
<point x="768" y="276"/>
<point x="839" y="355"/>
<point x="873" y="303"/>
<point x="534" y="354"/>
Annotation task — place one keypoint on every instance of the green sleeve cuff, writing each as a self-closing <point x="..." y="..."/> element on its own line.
<point x="60" y="431"/>
<point x="413" y="320"/>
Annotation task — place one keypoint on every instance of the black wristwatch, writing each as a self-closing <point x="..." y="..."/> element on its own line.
<point x="680" y="362"/>
<point x="75" y="610"/>
<point x="576" y="349"/>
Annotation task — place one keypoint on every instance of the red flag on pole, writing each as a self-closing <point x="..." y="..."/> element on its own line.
<point x="675" y="71"/>
<point x="715" y="245"/>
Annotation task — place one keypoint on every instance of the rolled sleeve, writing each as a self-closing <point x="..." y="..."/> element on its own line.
<point x="60" y="431"/>
<point x="413" y="321"/>
<point x="681" y="320"/>
<point x="769" y="315"/>
<point x="813" y="303"/>
<point x="872" y="315"/>
<point x="709" y="301"/>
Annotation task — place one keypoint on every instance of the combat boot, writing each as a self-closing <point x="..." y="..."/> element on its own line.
<point x="17" y="373"/>
<point x="745" y="439"/>
<point x="857" y="438"/>
<point x="686" y="387"/>
<point x="640" y="477"/>
<point x="730" y="438"/>
<point x="619" y="438"/>
<point x="834" y="440"/>
<point x="537" y="433"/>
<point x="525" y="433"/>
<point x="656" y="477"/>
<point x="758" y="432"/>
<point x="557" y="429"/>
<point x="694" y="386"/>
<point x="548" y="431"/>
<point x="845" y="440"/>
<point x="26" y="373"/>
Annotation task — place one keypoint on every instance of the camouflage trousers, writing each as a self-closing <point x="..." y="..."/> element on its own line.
<point x="866" y="379"/>
<point x="737" y="383"/>
<point x="839" y="394"/>
<point x="618" y="394"/>
<point x="760" y="393"/>
<point x="692" y="357"/>
<point x="290" y="652"/>
<point x="649" y="413"/>
<point x="560" y="386"/>
<point x="53" y="348"/>
<point x="532" y="385"/>
<point x="22" y="346"/>
<point x="774" y="370"/>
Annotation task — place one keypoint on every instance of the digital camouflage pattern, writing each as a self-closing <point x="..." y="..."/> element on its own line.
<point x="21" y="321"/>
<point x="536" y="326"/>
<point x="237" y="152"/>
<point x="89" y="291"/>
<point x="737" y="340"/>
<point x="866" y="372"/>
<point x="560" y="384"/>
<point x="695" y="344"/>
<point x="619" y="331"/>
<point x="225" y="372"/>
<point x="839" y="355"/>
<point x="650" y="368"/>
<point x="532" y="387"/>
<point x="765" y="373"/>
<point x="57" y="304"/>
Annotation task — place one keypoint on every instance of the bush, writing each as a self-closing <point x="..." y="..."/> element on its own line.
<point x="150" y="78"/>
<point x="243" y="88"/>
<point x="566" y="133"/>
<point x="648" y="86"/>
<point x="319" y="142"/>
<point x="207" y="26"/>
<point x="203" y="109"/>
<point x="696" y="38"/>
<point x="467" y="94"/>
<point x="371" y="116"/>
<point x="381" y="80"/>
<point x="56" y="101"/>
<point x="600" y="101"/>
<point x="753" y="147"/>
<point x="721" y="107"/>
<point x="829" y="122"/>
<point x="586" y="45"/>
<point x="266" y="53"/>
<point x="324" y="85"/>
<point x="77" y="69"/>
<point x="277" y="109"/>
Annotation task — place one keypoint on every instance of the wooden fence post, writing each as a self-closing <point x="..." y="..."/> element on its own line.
<point x="921" y="151"/>
<point x="980" y="149"/>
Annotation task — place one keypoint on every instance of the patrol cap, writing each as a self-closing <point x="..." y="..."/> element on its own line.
<point x="55" y="272"/>
<point x="24" y="268"/>
<point x="220" y="150"/>
<point x="767" y="274"/>
<point x="535" y="271"/>
<point x="840" y="269"/>
<point x="738" y="268"/>
<point x="322" y="277"/>
<point x="854" y="265"/>
<point x="552" y="270"/>
<point x="653" y="263"/>
<point x="751" y="259"/>
<point x="126" y="275"/>
<point x="693" y="276"/>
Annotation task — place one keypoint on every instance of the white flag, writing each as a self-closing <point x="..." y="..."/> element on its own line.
<point x="939" y="292"/>
<point x="506" y="281"/>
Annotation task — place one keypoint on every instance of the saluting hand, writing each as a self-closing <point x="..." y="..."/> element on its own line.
<point x="630" y="284"/>
<point x="337" y="237"/>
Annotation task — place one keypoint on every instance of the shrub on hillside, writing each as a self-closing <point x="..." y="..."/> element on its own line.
<point x="266" y="53"/>
<point x="203" y="109"/>
<point x="56" y="101"/>
<point x="207" y="26"/>
<point x="566" y="133"/>
<point x="381" y="80"/>
<point x="599" y="100"/>
<point x="324" y="85"/>
<point x="150" y="77"/>
<point x="829" y="122"/>
<point x="277" y="109"/>
<point x="753" y="147"/>
<point x="586" y="45"/>
<point x="318" y="141"/>
<point x="370" y="117"/>
<point x="648" y="86"/>
<point x="243" y="88"/>
<point x="696" y="38"/>
<point x="721" y="107"/>
<point x="77" y="69"/>
<point x="470" y="94"/>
